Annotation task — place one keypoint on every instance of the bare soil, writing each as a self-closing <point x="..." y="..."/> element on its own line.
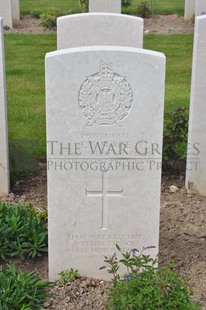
<point x="182" y="239"/>
<point x="157" y="24"/>
<point x="167" y="24"/>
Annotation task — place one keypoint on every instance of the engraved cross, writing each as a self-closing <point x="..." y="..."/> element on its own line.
<point x="104" y="193"/>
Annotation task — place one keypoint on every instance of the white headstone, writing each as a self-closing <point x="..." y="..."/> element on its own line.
<point x="15" y="10"/>
<point x="6" y="12"/>
<point x="200" y="8"/>
<point x="189" y="9"/>
<point x="91" y="29"/>
<point x="4" y="170"/>
<point x="196" y="158"/>
<point x="112" y="6"/>
<point x="104" y="137"/>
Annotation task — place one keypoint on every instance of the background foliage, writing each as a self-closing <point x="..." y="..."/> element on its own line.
<point x="38" y="7"/>
<point x="26" y="85"/>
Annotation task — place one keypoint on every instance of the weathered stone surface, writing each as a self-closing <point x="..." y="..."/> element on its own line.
<point x="104" y="133"/>
<point x="113" y="6"/>
<point x="6" y="12"/>
<point x="196" y="158"/>
<point x="15" y="10"/>
<point x="91" y="29"/>
<point x="4" y="166"/>
<point x="200" y="8"/>
<point x="189" y="9"/>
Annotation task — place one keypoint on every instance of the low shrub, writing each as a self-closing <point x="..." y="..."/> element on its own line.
<point x="144" y="10"/>
<point x="175" y="139"/>
<point x="23" y="232"/>
<point x="144" y="286"/>
<point x="49" y="20"/>
<point x="126" y="3"/>
<point x="21" y="291"/>
<point x="84" y="5"/>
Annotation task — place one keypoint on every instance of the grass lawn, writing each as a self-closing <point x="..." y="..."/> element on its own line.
<point x="37" y="7"/>
<point x="25" y="85"/>
<point x="159" y="6"/>
<point x="178" y="51"/>
<point x="25" y="79"/>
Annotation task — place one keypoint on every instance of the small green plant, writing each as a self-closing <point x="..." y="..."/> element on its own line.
<point x="42" y="216"/>
<point x="23" y="232"/>
<point x="193" y="19"/>
<point x="49" y="20"/>
<point x="175" y="137"/>
<point x="84" y="5"/>
<point x="36" y="14"/>
<point x="21" y="291"/>
<point x="144" y="10"/>
<point x="126" y="3"/>
<point x="144" y="286"/>
<point x="68" y="276"/>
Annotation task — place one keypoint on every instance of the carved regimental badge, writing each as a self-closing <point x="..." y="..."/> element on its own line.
<point x="105" y="97"/>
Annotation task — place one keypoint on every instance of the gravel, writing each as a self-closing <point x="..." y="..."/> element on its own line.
<point x="83" y="293"/>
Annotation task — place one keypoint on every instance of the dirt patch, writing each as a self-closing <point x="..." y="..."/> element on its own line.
<point x="32" y="189"/>
<point x="83" y="293"/>
<point x="157" y="24"/>
<point x="182" y="239"/>
<point x="167" y="24"/>
<point x="183" y="234"/>
<point x="28" y="24"/>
